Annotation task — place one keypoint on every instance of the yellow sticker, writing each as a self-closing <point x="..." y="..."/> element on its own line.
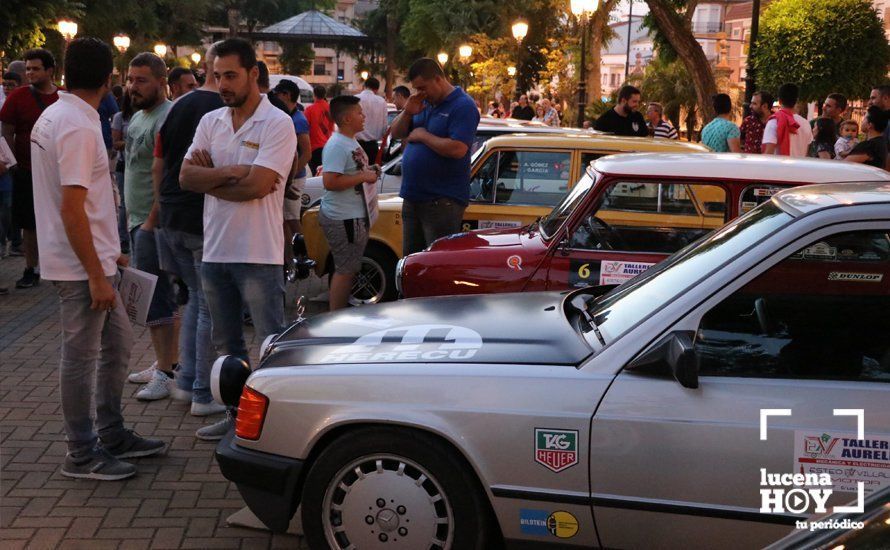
<point x="562" y="525"/>
<point x="250" y="145"/>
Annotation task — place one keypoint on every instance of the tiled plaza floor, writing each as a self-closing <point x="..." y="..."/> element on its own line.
<point x="176" y="501"/>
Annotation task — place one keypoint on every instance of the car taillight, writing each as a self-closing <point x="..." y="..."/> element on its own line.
<point x="251" y="414"/>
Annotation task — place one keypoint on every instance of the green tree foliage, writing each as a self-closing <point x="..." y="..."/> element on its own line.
<point x="23" y="23"/>
<point x="824" y="46"/>
<point x="667" y="82"/>
<point x="296" y="58"/>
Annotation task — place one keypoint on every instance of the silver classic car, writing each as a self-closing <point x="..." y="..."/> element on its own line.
<point x="721" y="399"/>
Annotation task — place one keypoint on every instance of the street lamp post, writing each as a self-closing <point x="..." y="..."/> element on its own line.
<point x="196" y="58"/>
<point x="582" y="9"/>
<point x="465" y="52"/>
<point x="68" y="30"/>
<point x="160" y="50"/>
<point x="122" y="43"/>
<point x="520" y="31"/>
<point x="443" y="58"/>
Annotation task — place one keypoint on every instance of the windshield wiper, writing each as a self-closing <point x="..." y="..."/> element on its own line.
<point x="579" y="302"/>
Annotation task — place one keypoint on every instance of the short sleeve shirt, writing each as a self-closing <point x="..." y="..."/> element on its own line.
<point x="715" y="134"/>
<point x="301" y="126"/>
<point x="752" y="135"/>
<point x="142" y="133"/>
<point x="21" y="111"/>
<point x="799" y="143"/>
<point x="875" y="148"/>
<point x="426" y="175"/>
<point x="68" y="150"/>
<point x="343" y="155"/>
<point x="247" y="231"/>
<point x="320" y="123"/>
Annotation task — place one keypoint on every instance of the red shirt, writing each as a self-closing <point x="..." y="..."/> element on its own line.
<point x="20" y="110"/>
<point x="752" y="134"/>
<point x="321" y="125"/>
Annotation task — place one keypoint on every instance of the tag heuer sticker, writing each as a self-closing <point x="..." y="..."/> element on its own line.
<point x="556" y="449"/>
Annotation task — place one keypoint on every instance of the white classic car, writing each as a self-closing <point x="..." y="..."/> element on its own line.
<point x="672" y="411"/>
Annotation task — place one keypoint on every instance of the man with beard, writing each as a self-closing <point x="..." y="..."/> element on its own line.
<point x="240" y="158"/>
<point x="20" y="111"/>
<point x="147" y="84"/>
<point x="624" y="119"/>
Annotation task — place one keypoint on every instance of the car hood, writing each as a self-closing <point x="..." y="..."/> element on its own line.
<point x="479" y="239"/>
<point x="527" y="328"/>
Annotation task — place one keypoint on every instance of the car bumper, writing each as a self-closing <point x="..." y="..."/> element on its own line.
<point x="269" y="483"/>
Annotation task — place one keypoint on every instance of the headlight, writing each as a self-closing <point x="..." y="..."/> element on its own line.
<point x="399" y="267"/>
<point x="227" y="379"/>
<point x="265" y="346"/>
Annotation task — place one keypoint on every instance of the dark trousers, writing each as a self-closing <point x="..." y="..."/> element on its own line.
<point x="424" y="222"/>
<point x="370" y="148"/>
<point x="315" y="161"/>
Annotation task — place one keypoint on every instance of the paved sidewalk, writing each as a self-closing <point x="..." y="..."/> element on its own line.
<point x="176" y="501"/>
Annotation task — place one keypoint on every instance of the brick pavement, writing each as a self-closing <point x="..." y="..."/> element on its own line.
<point x="177" y="501"/>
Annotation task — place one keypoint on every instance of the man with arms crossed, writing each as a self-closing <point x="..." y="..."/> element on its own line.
<point x="240" y="158"/>
<point x="79" y="252"/>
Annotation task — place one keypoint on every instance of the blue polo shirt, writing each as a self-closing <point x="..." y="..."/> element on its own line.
<point x="425" y="174"/>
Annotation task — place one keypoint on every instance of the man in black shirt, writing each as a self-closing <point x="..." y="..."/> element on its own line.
<point x="523" y="111"/>
<point x="873" y="151"/>
<point x="624" y="119"/>
<point x="181" y="234"/>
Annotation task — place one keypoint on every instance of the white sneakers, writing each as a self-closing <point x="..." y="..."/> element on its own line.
<point x="207" y="409"/>
<point x="144" y="376"/>
<point x="158" y="387"/>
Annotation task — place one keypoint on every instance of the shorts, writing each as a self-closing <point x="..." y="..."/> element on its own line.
<point x="293" y="199"/>
<point x="347" y="240"/>
<point x="23" y="199"/>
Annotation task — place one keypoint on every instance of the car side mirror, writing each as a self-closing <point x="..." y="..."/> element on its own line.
<point x="674" y="353"/>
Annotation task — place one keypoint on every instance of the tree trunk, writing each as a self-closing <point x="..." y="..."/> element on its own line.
<point x="679" y="34"/>
<point x="598" y="25"/>
<point x="234" y="15"/>
<point x="392" y="31"/>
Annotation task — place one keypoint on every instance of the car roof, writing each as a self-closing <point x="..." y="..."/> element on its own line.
<point x="582" y="139"/>
<point x="810" y="198"/>
<point x="739" y="167"/>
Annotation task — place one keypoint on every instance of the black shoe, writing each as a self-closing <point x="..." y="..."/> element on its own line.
<point x="128" y="444"/>
<point x="29" y="279"/>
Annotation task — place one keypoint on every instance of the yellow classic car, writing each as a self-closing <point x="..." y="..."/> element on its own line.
<point x="514" y="180"/>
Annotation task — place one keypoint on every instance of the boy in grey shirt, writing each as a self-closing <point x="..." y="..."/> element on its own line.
<point x="343" y="214"/>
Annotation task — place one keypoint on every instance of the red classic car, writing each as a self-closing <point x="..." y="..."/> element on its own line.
<point x="626" y="214"/>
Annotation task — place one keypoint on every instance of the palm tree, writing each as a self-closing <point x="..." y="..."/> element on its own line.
<point x="668" y="83"/>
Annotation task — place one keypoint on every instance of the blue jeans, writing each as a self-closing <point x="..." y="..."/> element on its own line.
<point x="230" y="287"/>
<point x="144" y="248"/>
<point x="95" y="346"/>
<point x="181" y="253"/>
<point x="6" y="217"/>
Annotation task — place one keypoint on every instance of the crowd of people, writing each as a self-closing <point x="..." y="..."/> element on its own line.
<point x="199" y="180"/>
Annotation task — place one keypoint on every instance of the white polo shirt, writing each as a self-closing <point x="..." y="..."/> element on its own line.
<point x="250" y="231"/>
<point x="67" y="149"/>
<point x="374" y="109"/>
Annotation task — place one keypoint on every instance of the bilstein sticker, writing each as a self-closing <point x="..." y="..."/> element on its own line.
<point x="541" y="523"/>
<point x="556" y="449"/>
<point x="856" y="277"/>
<point x="411" y="343"/>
